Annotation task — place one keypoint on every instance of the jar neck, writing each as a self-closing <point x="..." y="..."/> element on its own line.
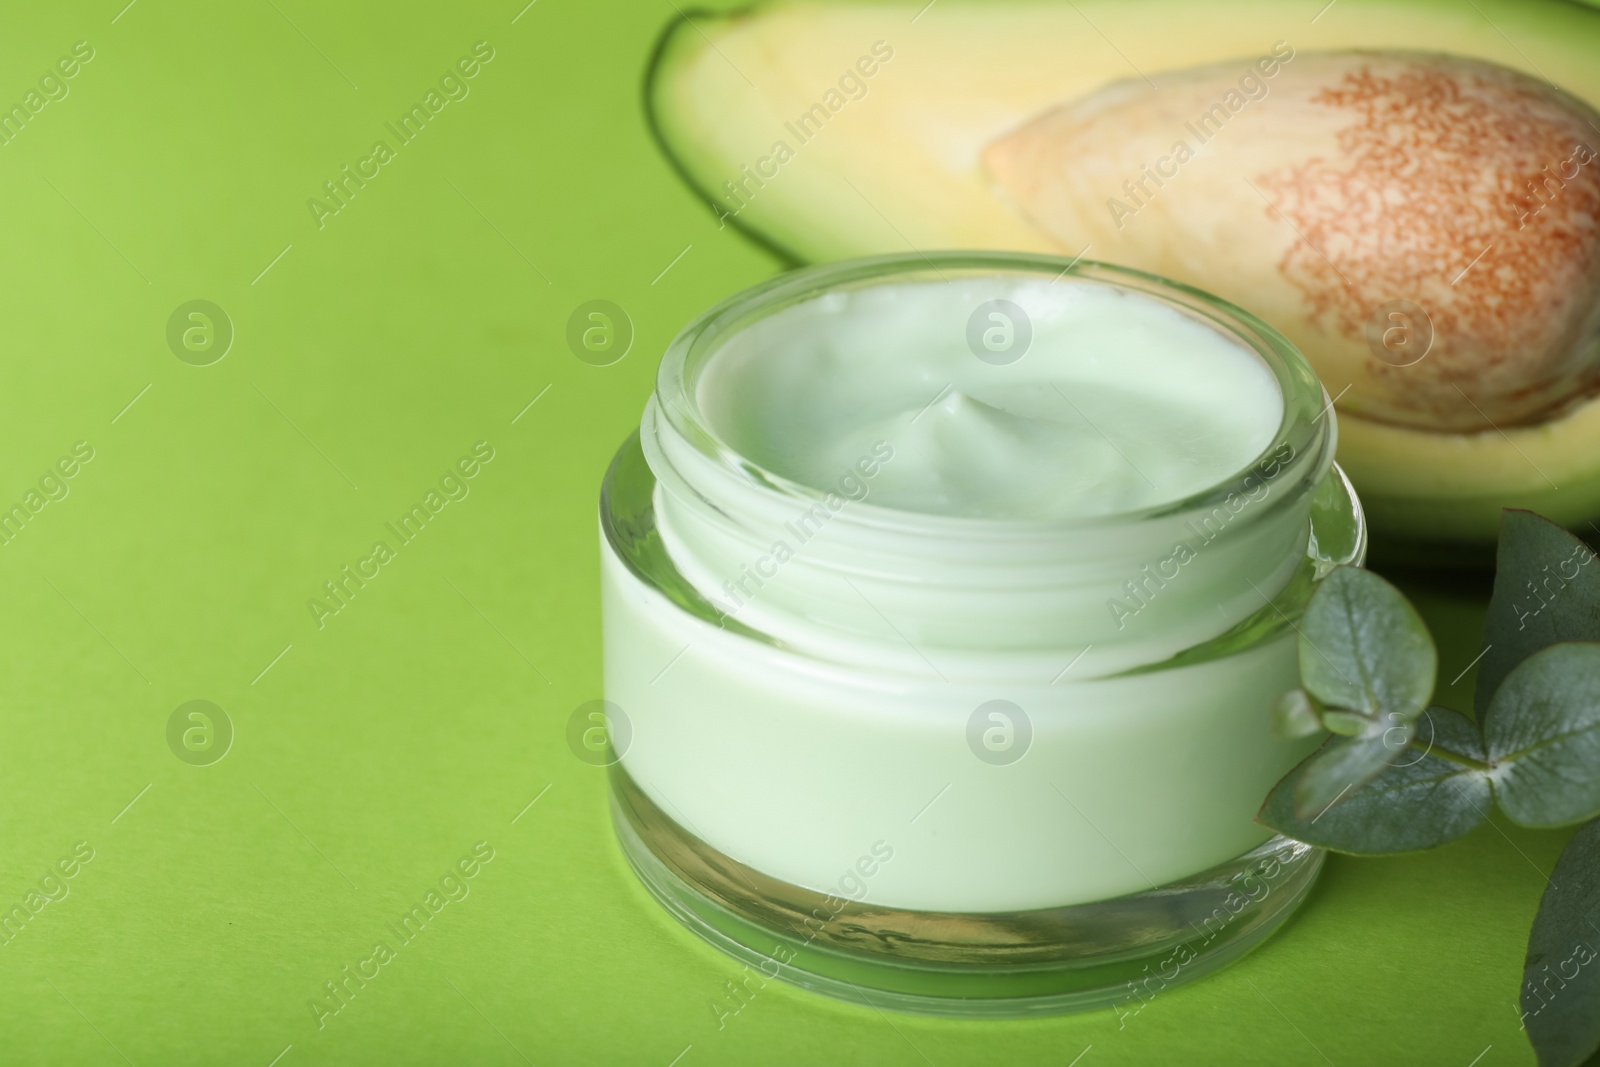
<point x="833" y="575"/>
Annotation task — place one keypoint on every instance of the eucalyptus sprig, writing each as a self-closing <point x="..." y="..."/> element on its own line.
<point x="1399" y="775"/>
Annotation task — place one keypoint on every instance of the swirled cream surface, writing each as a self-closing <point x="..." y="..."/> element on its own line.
<point x="1019" y="400"/>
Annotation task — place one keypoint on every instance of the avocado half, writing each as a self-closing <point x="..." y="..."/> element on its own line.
<point x="826" y="129"/>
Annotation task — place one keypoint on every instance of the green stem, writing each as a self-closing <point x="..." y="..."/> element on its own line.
<point x="1431" y="749"/>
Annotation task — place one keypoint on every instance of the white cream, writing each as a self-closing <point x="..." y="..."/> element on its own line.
<point x="796" y="767"/>
<point x="1118" y="403"/>
<point x="925" y="532"/>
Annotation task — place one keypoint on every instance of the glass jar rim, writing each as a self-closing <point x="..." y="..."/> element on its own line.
<point x="1304" y="399"/>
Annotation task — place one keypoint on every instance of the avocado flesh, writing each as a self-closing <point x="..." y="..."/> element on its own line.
<point x="901" y="167"/>
<point x="1448" y="488"/>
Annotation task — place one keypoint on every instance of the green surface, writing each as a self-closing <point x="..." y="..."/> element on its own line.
<point x="372" y="753"/>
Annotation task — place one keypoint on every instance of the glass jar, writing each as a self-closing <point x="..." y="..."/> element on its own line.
<point x="954" y="764"/>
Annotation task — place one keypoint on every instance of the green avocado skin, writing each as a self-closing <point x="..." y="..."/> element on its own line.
<point x="677" y="37"/>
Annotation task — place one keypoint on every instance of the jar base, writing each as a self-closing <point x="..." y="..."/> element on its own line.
<point x="1117" y="953"/>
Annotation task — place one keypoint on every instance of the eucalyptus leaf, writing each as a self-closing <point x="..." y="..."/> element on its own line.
<point x="1561" y="977"/>
<point x="1543" y="733"/>
<point x="1419" y="799"/>
<point x="1345" y="723"/>
<point x="1364" y="647"/>
<point x="1339" y="767"/>
<point x="1546" y="591"/>
<point x="1295" y="715"/>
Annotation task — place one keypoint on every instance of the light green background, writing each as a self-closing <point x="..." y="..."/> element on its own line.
<point x="427" y="715"/>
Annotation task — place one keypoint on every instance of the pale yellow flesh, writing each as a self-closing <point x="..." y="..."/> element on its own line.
<point x="900" y="168"/>
<point x="1552" y="468"/>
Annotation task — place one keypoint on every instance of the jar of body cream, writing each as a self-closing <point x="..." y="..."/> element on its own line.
<point x="945" y="601"/>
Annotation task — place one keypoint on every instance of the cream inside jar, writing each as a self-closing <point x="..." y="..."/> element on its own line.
<point x="1003" y="614"/>
<point x="1118" y="402"/>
